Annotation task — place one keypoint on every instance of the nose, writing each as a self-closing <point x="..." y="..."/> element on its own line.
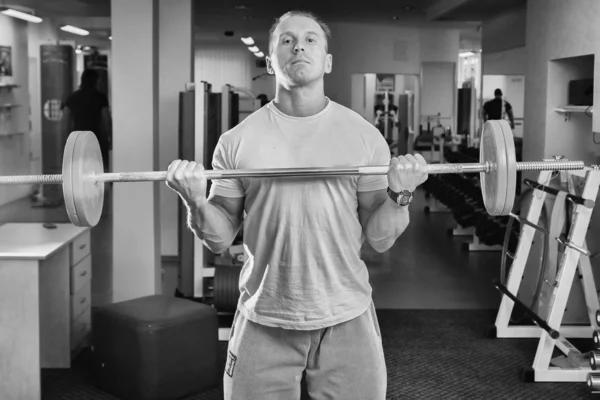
<point x="297" y="48"/>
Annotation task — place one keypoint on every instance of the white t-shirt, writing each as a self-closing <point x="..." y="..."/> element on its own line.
<point x="302" y="235"/>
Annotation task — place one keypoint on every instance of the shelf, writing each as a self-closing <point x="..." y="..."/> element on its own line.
<point x="567" y="110"/>
<point x="8" y="85"/>
<point x="9" y="105"/>
<point x="11" y="134"/>
<point x="574" y="109"/>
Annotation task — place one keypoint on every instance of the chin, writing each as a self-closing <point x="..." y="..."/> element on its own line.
<point x="302" y="79"/>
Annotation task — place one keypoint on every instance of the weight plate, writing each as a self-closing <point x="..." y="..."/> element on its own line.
<point x="501" y="178"/>
<point x="82" y="160"/>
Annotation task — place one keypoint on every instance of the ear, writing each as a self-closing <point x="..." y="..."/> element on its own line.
<point x="328" y="63"/>
<point x="269" y="65"/>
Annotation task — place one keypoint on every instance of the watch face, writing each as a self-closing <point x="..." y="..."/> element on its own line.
<point x="405" y="199"/>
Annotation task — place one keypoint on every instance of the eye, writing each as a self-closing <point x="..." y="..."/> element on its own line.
<point x="286" y="41"/>
<point x="311" y="40"/>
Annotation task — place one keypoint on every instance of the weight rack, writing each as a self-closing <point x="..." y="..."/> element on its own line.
<point x="575" y="365"/>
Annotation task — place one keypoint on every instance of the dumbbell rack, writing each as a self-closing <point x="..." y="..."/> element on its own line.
<point x="575" y="365"/>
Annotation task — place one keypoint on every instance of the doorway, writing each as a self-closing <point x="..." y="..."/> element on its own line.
<point x="513" y="92"/>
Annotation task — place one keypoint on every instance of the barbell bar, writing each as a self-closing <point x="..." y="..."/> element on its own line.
<point x="290" y="172"/>
<point x="83" y="175"/>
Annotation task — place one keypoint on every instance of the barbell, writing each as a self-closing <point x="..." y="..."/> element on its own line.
<point x="83" y="175"/>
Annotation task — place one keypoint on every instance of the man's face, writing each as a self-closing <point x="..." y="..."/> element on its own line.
<point x="299" y="54"/>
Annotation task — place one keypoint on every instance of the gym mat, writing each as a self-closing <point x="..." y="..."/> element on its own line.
<point x="430" y="354"/>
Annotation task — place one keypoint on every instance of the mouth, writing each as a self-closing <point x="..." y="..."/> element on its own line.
<point x="299" y="61"/>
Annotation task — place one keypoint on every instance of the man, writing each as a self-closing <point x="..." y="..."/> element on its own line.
<point x="86" y="109"/>
<point x="494" y="109"/>
<point x="305" y="307"/>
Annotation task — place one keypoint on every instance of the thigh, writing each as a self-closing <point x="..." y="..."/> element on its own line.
<point x="263" y="363"/>
<point x="349" y="363"/>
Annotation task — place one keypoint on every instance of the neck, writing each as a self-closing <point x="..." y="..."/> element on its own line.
<point x="300" y="101"/>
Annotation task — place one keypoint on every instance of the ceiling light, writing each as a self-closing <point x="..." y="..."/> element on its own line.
<point x="21" y="15"/>
<point x="466" y="54"/>
<point x="110" y="38"/>
<point x="72" y="29"/>
<point x="253" y="49"/>
<point x="248" y="41"/>
<point x="259" y="54"/>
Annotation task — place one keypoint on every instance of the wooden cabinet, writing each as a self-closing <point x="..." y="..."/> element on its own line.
<point x="62" y="257"/>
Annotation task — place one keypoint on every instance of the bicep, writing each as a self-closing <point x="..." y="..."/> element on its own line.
<point x="232" y="207"/>
<point x="368" y="202"/>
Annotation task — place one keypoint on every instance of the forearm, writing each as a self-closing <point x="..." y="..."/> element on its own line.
<point x="211" y="224"/>
<point x="386" y="224"/>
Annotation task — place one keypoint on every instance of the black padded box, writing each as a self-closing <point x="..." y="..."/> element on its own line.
<point x="155" y="348"/>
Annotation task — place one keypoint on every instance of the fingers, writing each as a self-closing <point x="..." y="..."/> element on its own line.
<point x="180" y="171"/>
<point x="410" y="170"/>
<point x="409" y="160"/>
<point x="420" y="159"/>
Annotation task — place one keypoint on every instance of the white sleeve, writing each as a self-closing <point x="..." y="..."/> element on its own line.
<point x="223" y="160"/>
<point x="380" y="155"/>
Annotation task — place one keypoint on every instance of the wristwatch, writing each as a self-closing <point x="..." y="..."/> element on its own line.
<point x="402" y="198"/>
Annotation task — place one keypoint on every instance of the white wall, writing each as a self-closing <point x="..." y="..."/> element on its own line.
<point x="559" y="29"/>
<point x="361" y="48"/>
<point x="220" y="64"/>
<point x="136" y="206"/>
<point x="507" y="62"/>
<point x="505" y="31"/>
<point x="552" y="35"/>
<point x="175" y="68"/>
<point x="438" y="93"/>
<point x="15" y="141"/>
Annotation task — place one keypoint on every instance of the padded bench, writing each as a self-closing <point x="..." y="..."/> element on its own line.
<point x="155" y="348"/>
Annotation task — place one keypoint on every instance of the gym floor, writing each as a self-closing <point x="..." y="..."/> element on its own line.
<point x="434" y="301"/>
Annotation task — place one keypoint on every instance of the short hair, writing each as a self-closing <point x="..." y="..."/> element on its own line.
<point x="299" y="13"/>
<point x="497" y="92"/>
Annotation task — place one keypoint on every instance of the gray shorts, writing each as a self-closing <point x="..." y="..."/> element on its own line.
<point x="344" y="361"/>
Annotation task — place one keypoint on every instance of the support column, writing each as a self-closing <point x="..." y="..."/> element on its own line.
<point x="176" y="61"/>
<point x="135" y="213"/>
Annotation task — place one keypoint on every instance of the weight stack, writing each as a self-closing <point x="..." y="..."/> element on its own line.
<point x="226" y="290"/>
